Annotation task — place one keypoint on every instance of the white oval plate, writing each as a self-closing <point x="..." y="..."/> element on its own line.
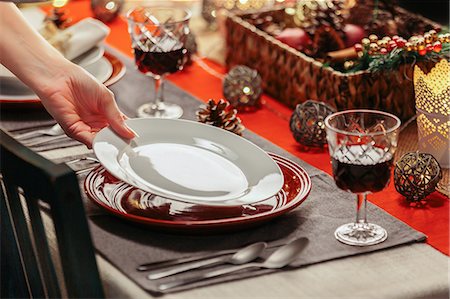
<point x="189" y="161"/>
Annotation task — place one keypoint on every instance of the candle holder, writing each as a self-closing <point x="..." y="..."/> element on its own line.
<point x="433" y="111"/>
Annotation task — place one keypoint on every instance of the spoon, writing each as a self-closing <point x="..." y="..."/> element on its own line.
<point x="55" y="130"/>
<point x="242" y="256"/>
<point x="279" y="259"/>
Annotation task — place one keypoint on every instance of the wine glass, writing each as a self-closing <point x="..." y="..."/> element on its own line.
<point x="158" y="36"/>
<point x="362" y="145"/>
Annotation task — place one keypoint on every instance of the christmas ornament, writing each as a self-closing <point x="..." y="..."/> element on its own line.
<point x="416" y="175"/>
<point x="242" y="87"/>
<point x="353" y="34"/>
<point x="297" y="38"/>
<point x="307" y="123"/>
<point x="222" y="115"/>
<point x="106" y="10"/>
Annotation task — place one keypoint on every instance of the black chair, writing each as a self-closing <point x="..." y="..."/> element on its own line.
<point x="27" y="267"/>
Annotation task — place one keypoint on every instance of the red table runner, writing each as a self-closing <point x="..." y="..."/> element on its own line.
<point x="272" y="123"/>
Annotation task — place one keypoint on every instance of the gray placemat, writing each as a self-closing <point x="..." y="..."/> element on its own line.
<point x="127" y="245"/>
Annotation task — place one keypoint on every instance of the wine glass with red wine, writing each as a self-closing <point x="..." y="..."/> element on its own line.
<point x="362" y="145"/>
<point x="158" y="36"/>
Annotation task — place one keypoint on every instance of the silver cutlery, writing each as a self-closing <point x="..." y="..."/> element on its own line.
<point x="282" y="257"/>
<point x="55" y="130"/>
<point x="45" y="140"/>
<point x="191" y="259"/>
<point x="242" y="256"/>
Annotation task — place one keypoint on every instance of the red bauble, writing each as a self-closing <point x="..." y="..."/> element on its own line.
<point x="353" y="34"/>
<point x="295" y="37"/>
<point x="429" y="47"/>
<point x="422" y="52"/>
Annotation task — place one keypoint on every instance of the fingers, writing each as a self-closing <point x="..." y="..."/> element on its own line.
<point x="85" y="137"/>
<point x="116" y="120"/>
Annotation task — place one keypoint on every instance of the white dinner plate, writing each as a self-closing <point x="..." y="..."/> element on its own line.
<point x="189" y="161"/>
<point x="101" y="70"/>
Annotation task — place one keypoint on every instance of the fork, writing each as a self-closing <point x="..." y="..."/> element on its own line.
<point x="55" y="130"/>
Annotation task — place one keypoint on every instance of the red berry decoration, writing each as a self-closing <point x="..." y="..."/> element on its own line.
<point x="437" y="47"/>
<point x="392" y="44"/>
<point x="401" y="43"/>
<point x="358" y="47"/>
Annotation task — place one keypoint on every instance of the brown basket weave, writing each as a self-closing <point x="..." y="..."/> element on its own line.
<point x="292" y="77"/>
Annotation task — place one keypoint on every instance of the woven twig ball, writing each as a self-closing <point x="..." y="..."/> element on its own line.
<point x="416" y="175"/>
<point x="308" y="123"/>
<point x="242" y="87"/>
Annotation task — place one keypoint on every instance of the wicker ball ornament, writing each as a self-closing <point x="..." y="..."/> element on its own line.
<point x="308" y="123"/>
<point x="242" y="87"/>
<point x="416" y="175"/>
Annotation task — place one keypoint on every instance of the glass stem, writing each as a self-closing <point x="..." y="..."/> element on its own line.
<point x="361" y="204"/>
<point x="159" y="91"/>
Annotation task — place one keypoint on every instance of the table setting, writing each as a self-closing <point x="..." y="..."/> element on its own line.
<point x="213" y="194"/>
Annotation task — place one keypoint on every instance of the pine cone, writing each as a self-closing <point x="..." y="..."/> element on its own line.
<point x="312" y="15"/>
<point x="220" y="115"/>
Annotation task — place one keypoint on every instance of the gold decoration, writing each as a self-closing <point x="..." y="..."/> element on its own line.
<point x="433" y="111"/>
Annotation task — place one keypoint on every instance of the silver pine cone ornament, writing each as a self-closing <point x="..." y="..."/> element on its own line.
<point x="222" y="115"/>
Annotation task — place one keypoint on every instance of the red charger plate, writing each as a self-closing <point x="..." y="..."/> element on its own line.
<point x="135" y="205"/>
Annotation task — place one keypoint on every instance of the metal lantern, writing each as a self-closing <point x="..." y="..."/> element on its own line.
<point x="308" y="123"/>
<point x="432" y="93"/>
<point x="242" y="87"/>
<point x="416" y="175"/>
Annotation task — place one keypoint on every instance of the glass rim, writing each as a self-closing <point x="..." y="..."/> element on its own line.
<point x="186" y="17"/>
<point x="388" y="131"/>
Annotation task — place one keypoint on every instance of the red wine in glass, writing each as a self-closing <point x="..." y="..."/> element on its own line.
<point x="160" y="62"/>
<point x="361" y="169"/>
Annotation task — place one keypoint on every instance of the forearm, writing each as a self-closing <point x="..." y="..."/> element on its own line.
<point x="25" y="52"/>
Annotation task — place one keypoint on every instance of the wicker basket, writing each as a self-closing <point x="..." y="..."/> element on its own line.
<point x="292" y="77"/>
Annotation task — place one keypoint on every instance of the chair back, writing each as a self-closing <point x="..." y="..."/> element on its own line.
<point x="35" y="189"/>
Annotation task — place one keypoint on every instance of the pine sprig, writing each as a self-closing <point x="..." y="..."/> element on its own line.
<point x="397" y="57"/>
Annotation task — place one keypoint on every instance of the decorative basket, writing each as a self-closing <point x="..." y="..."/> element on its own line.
<point x="292" y="77"/>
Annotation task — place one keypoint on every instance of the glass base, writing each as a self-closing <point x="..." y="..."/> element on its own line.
<point x="161" y="110"/>
<point x="360" y="234"/>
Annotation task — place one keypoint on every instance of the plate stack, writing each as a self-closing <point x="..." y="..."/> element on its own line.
<point x="187" y="176"/>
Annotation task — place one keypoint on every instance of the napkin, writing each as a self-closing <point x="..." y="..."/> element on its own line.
<point x="84" y="35"/>
<point x="81" y="37"/>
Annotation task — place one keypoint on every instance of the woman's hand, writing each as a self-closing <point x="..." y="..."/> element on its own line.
<point x="77" y="101"/>
<point x="82" y="105"/>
